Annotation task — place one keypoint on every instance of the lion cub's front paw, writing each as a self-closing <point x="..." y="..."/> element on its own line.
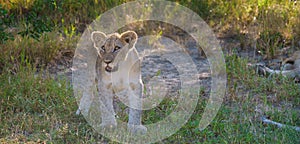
<point x="80" y="111"/>
<point x="137" y="129"/>
<point x="77" y="112"/>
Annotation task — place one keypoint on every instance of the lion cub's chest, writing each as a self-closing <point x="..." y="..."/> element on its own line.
<point x="116" y="84"/>
<point x="118" y="81"/>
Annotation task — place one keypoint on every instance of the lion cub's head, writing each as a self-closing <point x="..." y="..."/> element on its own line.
<point x="113" y="48"/>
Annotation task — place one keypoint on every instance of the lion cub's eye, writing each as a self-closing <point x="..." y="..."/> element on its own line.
<point x="103" y="48"/>
<point x="117" y="48"/>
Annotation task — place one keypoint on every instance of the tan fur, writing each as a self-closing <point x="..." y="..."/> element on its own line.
<point x="294" y="57"/>
<point x="288" y="70"/>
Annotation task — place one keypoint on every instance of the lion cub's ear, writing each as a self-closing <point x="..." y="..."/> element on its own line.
<point x="98" y="38"/>
<point x="129" y="37"/>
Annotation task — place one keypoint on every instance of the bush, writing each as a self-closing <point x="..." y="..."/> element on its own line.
<point x="4" y="36"/>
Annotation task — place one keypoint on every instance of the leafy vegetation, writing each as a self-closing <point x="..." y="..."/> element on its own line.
<point x="36" y="107"/>
<point x="4" y="36"/>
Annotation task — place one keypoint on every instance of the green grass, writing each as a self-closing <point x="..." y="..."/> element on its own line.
<point x="278" y="88"/>
<point x="35" y="107"/>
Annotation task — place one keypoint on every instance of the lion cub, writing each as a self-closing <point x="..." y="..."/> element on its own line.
<point x="118" y="69"/>
<point x="292" y="62"/>
<point x="291" y="67"/>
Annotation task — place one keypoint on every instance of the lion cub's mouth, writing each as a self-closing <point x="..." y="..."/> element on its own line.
<point x="110" y="69"/>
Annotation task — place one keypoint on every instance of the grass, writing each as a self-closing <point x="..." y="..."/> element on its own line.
<point x="33" y="107"/>
<point x="38" y="52"/>
<point x="36" y="107"/>
<point x="278" y="87"/>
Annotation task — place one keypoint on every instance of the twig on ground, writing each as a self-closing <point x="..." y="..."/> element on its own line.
<point x="267" y="121"/>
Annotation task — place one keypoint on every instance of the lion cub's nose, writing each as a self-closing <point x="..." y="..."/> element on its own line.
<point x="107" y="61"/>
